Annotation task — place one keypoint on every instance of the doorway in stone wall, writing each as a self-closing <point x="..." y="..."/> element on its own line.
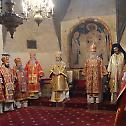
<point x="83" y="35"/>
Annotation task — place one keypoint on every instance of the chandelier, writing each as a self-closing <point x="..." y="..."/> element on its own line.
<point x="39" y="9"/>
<point x="9" y="18"/>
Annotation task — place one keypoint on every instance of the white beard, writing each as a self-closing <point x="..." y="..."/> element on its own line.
<point x="93" y="55"/>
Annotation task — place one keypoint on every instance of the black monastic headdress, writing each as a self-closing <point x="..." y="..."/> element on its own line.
<point x="120" y="49"/>
<point x="5" y="54"/>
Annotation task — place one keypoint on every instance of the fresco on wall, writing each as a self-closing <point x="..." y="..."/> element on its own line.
<point x="83" y="36"/>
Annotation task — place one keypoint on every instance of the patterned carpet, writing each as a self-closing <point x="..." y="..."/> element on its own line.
<point x="41" y="112"/>
<point x="50" y="116"/>
<point x="74" y="102"/>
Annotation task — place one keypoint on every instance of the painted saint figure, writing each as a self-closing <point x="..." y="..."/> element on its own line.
<point x="7" y="80"/>
<point x="94" y="70"/>
<point x="75" y="49"/>
<point x="34" y="74"/>
<point x="21" y="86"/>
<point x="58" y="75"/>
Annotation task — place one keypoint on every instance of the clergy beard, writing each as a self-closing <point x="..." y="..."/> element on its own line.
<point x="7" y="65"/>
<point x="117" y="53"/>
<point x="93" y="55"/>
<point x="58" y="60"/>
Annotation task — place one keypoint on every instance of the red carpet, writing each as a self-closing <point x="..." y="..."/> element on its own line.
<point x="77" y="102"/>
<point x="123" y="121"/>
<point x="74" y="113"/>
<point x="34" y="116"/>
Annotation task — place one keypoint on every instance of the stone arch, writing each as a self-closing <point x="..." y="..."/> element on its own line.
<point x="82" y="35"/>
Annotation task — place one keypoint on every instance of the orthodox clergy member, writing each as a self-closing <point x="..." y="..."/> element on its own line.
<point x="6" y="77"/>
<point x="34" y="74"/>
<point x="21" y="87"/>
<point x="58" y="75"/>
<point x="94" y="70"/>
<point x="115" y="69"/>
<point x="121" y="102"/>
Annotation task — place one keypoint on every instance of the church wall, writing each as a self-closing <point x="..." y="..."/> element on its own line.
<point x="80" y="10"/>
<point x="123" y="40"/>
<point x="45" y="35"/>
<point x="68" y="25"/>
<point x="60" y="11"/>
<point x="122" y="22"/>
<point x="85" y="8"/>
<point x="121" y="17"/>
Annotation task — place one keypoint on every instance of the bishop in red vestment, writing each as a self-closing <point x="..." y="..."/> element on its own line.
<point x="34" y="73"/>
<point x="6" y="77"/>
<point x="21" y="86"/>
<point x="94" y="71"/>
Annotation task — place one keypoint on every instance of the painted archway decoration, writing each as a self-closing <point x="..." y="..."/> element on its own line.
<point x="85" y="33"/>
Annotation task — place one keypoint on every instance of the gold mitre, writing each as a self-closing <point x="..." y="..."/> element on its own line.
<point x="93" y="48"/>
